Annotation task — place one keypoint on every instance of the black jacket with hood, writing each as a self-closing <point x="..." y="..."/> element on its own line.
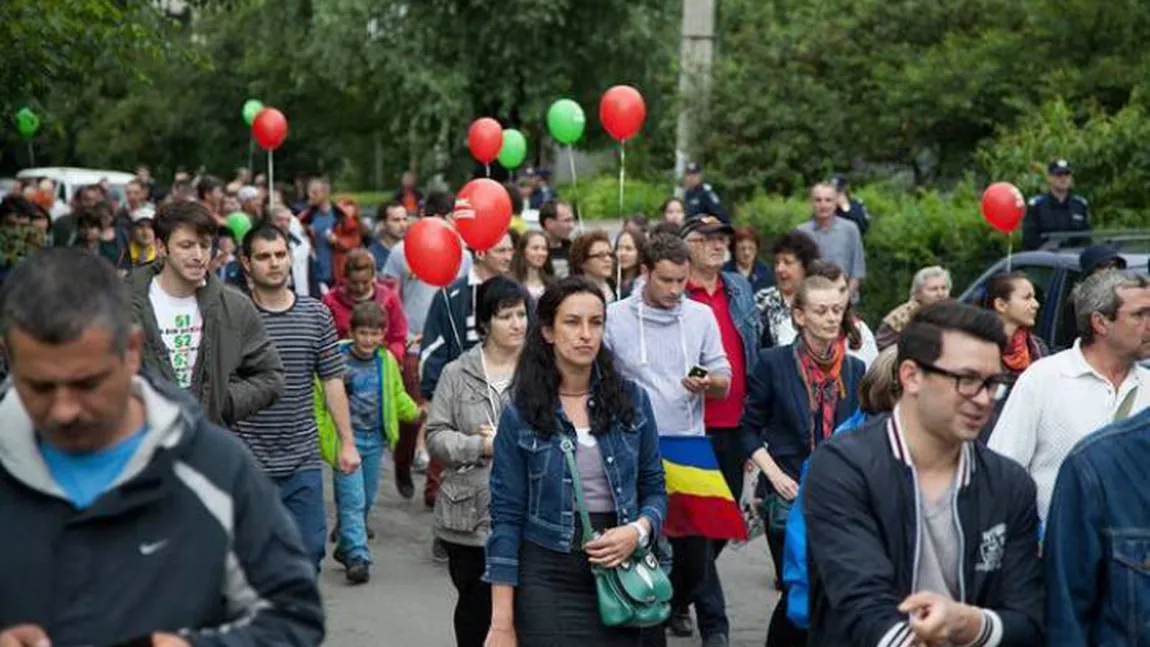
<point x="238" y="371"/>
<point x="190" y="539"/>
<point x="860" y="500"/>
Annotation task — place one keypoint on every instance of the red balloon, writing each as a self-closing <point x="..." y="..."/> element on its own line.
<point x="1003" y="206"/>
<point x="622" y="112"/>
<point x="433" y="251"/>
<point x="484" y="139"/>
<point x="270" y="128"/>
<point x="482" y="213"/>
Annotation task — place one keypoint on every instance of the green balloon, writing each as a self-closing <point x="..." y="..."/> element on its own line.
<point x="27" y="123"/>
<point x="565" y="121"/>
<point x="252" y="108"/>
<point x="514" y="149"/>
<point x="240" y="224"/>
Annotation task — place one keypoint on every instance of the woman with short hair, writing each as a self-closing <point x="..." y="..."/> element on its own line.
<point x="930" y="285"/>
<point x="793" y="254"/>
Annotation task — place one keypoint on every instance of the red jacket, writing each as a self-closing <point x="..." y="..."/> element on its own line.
<point x="341" y="305"/>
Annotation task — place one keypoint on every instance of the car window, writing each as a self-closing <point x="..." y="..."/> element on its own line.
<point x="1066" y="328"/>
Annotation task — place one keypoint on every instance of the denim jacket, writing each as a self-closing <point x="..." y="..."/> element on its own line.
<point x="1096" y="553"/>
<point x="741" y="300"/>
<point x="531" y="488"/>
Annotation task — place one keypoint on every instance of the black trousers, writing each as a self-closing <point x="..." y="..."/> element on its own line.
<point x="465" y="564"/>
<point x="781" y="632"/>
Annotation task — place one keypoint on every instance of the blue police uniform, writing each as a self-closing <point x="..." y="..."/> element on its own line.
<point x="1047" y="214"/>
<point x="703" y="200"/>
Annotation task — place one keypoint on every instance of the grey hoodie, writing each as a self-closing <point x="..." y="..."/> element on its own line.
<point x="463" y="402"/>
<point x="657" y="347"/>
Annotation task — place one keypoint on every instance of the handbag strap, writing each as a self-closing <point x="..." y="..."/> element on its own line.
<point x="568" y="448"/>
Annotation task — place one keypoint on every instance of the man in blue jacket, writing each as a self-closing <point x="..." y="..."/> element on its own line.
<point x="917" y="533"/>
<point x="1095" y="550"/>
<point x="132" y="518"/>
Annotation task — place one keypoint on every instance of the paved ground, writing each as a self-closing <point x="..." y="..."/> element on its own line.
<point x="409" y="600"/>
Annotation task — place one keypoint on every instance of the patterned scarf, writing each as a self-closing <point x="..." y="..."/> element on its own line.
<point x="1019" y="355"/>
<point x="823" y="379"/>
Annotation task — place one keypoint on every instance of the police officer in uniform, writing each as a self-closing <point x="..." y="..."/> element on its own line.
<point x="700" y="197"/>
<point x="848" y="207"/>
<point x="1057" y="210"/>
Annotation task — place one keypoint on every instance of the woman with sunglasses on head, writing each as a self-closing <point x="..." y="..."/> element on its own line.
<point x="469" y="398"/>
<point x="797" y="396"/>
<point x="568" y="399"/>
<point x="860" y="339"/>
<point x="793" y="253"/>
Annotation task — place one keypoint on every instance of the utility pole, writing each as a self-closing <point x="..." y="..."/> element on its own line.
<point x="695" y="57"/>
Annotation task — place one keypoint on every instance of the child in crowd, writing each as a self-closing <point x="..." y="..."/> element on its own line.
<point x="378" y="403"/>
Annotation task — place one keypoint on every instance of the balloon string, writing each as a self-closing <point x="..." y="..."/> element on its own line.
<point x="488" y="167"/>
<point x="251" y="154"/>
<point x="575" y="187"/>
<point x="622" y="174"/>
<point x="1009" y="249"/>
<point x="271" y="178"/>
<point x="31" y="154"/>
<point x="451" y="319"/>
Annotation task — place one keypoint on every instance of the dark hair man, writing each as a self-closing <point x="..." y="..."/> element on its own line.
<point x="918" y="534"/>
<point x="393" y="223"/>
<point x="138" y="518"/>
<point x="198" y="333"/>
<point x="284" y="437"/>
<point x="558" y="220"/>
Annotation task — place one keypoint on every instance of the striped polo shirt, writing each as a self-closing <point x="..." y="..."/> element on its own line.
<point x="284" y="437"/>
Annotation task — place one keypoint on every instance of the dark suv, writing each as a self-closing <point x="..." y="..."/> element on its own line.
<point x="1054" y="274"/>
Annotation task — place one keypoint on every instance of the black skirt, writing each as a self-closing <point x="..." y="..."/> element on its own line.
<point x="556" y="603"/>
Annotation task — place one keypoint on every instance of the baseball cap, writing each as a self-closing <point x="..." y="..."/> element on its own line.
<point x="1059" y="167"/>
<point x="705" y="224"/>
<point x="1096" y="255"/>
<point x="693" y="168"/>
<point x="142" y="214"/>
<point x="247" y="193"/>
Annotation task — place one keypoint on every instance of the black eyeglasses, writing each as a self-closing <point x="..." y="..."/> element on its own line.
<point x="969" y="386"/>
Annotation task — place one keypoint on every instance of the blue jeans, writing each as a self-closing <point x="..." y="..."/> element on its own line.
<point x="302" y="494"/>
<point x="355" y="496"/>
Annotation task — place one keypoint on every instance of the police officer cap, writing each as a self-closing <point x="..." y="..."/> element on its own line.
<point x="693" y="168"/>
<point x="1059" y="167"/>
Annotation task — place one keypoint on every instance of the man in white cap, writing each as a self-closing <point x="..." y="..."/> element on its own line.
<point x="250" y="202"/>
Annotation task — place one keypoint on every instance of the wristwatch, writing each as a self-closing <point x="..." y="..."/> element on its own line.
<point x="642" y="532"/>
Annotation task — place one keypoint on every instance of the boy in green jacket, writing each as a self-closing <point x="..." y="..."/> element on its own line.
<point x="378" y="404"/>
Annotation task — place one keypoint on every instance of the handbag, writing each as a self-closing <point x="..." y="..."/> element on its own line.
<point x="636" y="593"/>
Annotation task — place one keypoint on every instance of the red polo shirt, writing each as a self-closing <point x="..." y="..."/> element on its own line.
<point x="728" y="411"/>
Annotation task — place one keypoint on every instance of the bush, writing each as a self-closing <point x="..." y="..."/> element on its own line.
<point x="908" y="232"/>
<point x="598" y="198"/>
<point x="1109" y="154"/>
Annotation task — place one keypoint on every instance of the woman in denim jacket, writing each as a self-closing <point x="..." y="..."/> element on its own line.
<point x="567" y="390"/>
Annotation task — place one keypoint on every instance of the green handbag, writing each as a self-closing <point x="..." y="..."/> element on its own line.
<point x="636" y="593"/>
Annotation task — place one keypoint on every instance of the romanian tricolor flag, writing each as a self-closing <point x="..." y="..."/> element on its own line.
<point x="699" y="503"/>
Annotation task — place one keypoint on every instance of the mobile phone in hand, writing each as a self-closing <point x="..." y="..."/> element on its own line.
<point x="697" y="371"/>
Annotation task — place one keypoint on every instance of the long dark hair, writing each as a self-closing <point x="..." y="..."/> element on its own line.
<point x="519" y="260"/>
<point x="536" y="393"/>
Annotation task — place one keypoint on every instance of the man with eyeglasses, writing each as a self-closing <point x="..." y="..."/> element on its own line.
<point x="1062" y="398"/>
<point x="730" y="298"/>
<point x="918" y="534"/>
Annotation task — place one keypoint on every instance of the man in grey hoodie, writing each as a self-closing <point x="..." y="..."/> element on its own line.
<point x="658" y="337"/>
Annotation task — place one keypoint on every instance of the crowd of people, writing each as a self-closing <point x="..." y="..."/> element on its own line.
<point x="174" y="394"/>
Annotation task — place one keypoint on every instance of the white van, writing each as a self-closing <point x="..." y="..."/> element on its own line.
<point x="70" y="180"/>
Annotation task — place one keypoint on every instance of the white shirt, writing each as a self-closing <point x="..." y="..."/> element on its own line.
<point x="181" y="326"/>
<point x="300" y="257"/>
<point x="868" y="349"/>
<point x="1055" y="403"/>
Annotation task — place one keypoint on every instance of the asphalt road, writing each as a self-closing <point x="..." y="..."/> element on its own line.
<point x="409" y="600"/>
